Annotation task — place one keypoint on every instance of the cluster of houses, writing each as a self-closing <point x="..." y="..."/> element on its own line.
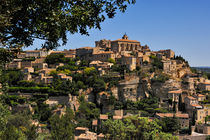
<point x="131" y="54"/>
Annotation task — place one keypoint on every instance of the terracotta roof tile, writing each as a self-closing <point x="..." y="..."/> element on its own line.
<point x="176" y="91"/>
<point x="81" y="128"/>
<point x="117" y="117"/>
<point x="178" y="115"/>
<point x="103" y="117"/>
<point x="95" y="122"/>
<point x="190" y="97"/>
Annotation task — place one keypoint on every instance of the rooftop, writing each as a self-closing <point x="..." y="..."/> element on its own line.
<point x="125" y="40"/>
<point x="103" y="117"/>
<point x="176" y="91"/>
<point x="178" y="115"/>
<point x="95" y="122"/>
<point x="81" y="128"/>
<point x="190" y="97"/>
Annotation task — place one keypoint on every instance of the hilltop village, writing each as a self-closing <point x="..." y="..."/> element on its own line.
<point x="114" y="80"/>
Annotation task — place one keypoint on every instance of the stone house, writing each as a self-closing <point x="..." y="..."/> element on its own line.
<point x="168" y="53"/>
<point x="129" y="62"/>
<point x="103" y="43"/>
<point x="202" y="113"/>
<point x="200" y="97"/>
<point x="182" y="118"/>
<point x="28" y="70"/>
<point x="64" y="77"/>
<point x="169" y="66"/>
<point x="125" y="44"/>
<point x="37" y="53"/>
<point x="204" y="86"/>
<point x="82" y="133"/>
<point x="84" y="52"/>
<point x="100" y="64"/>
<point x="103" y="56"/>
<point x="203" y="128"/>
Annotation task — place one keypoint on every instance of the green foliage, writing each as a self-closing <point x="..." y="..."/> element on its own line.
<point x="13" y="76"/>
<point x="42" y="111"/>
<point x="29" y="59"/>
<point x="13" y="100"/>
<point x="156" y="62"/>
<point x="86" y="113"/>
<point x="30" y="89"/>
<point x="25" y="83"/>
<point x="4" y="113"/>
<point x="99" y="85"/>
<point x="110" y="60"/>
<point x="181" y="59"/>
<point x="89" y="70"/>
<point x="54" y="58"/>
<point x="170" y="124"/>
<point x="160" y="78"/>
<point x="208" y="138"/>
<point x="134" y="128"/>
<point x="19" y="127"/>
<point x="5" y="56"/>
<point x="62" y="128"/>
<point x="23" y="21"/>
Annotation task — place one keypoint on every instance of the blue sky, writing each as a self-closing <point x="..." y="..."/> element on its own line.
<point x="180" y="25"/>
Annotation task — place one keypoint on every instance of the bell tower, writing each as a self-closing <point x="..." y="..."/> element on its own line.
<point x="125" y="36"/>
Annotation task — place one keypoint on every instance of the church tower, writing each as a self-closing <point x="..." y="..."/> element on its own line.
<point x="125" y="36"/>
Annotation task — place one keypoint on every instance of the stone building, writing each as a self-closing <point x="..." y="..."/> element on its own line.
<point x="125" y="44"/>
<point x="169" y="66"/>
<point x="129" y="62"/>
<point x="102" y="56"/>
<point x="128" y="89"/>
<point x="84" y="52"/>
<point x="174" y="95"/>
<point x="37" y="53"/>
<point x="182" y="118"/>
<point x="103" y="43"/>
<point x="204" y="86"/>
<point x="167" y="53"/>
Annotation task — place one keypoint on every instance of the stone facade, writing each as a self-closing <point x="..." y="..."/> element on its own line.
<point x="129" y="62"/>
<point x="129" y="89"/>
<point x="125" y="44"/>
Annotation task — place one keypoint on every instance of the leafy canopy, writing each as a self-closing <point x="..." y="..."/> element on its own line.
<point x="22" y="21"/>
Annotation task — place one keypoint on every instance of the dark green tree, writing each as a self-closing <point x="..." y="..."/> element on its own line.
<point x="62" y="128"/>
<point x="170" y="124"/>
<point x="23" y="21"/>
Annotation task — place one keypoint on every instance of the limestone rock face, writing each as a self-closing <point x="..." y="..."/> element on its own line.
<point x="161" y="89"/>
<point x="129" y="89"/>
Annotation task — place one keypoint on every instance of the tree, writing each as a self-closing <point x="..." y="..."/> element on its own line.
<point x="23" y="21"/>
<point x="110" y="60"/>
<point x="62" y="128"/>
<point x="4" y="113"/>
<point x="170" y="124"/>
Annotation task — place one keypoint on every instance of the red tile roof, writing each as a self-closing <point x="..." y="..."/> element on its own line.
<point x="200" y="95"/>
<point x="176" y="91"/>
<point x="95" y="122"/>
<point x="190" y="97"/>
<point x="103" y="117"/>
<point x="178" y="115"/>
<point x="117" y="117"/>
<point x="81" y="128"/>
